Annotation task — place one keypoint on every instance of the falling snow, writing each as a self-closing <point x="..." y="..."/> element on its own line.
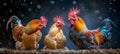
<point x="63" y="8"/>
<point x="5" y="4"/>
<point x="29" y="9"/>
<point x="114" y="0"/>
<point x="96" y="11"/>
<point x="38" y="6"/>
<point x="74" y="2"/>
<point x="10" y="11"/>
<point x="31" y="2"/>
<point x="110" y="8"/>
<point x="110" y="2"/>
<point x="3" y="20"/>
<point x="52" y="2"/>
<point x="24" y="0"/>
<point x="100" y="17"/>
<point x="24" y="4"/>
<point x="114" y="10"/>
<point x="22" y="15"/>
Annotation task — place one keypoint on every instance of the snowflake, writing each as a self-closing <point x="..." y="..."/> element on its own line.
<point x="114" y="0"/>
<point x="110" y="8"/>
<point x="24" y="0"/>
<point x="31" y="2"/>
<point x="100" y="17"/>
<point x="5" y="4"/>
<point x="52" y="2"/>
<point x="3" y="20"/>
<point x="63" y="8"/>
<point x="38" y="6"/>
<point x="110" y="3"/>
<point x="96" y="11"/>
<point x="74" y="2"/>
<point x="10" y="11"/>
<point x="114" y="10"/>
<point x="22" y="15"/>
<point x="29" y="9"/>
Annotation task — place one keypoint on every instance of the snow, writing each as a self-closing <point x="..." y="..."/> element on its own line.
<point x="5" y="4"/>
<point x="74" y="2"/>
<point x="3" y="20"/>
<point x="63" y="8"/>
<point x="100" y="17"/>
<point x="114" y="0"/>
<point x="38" y="6"/>
<point x="10" y="11"/>
<point x="24" y="0"/>
<point x="110" y="8"/>
<point x="114" y="10"/>
<point x="22" y="15"/>
<point x="52" y="2"/>
<point x="96" y="11"/>
<point x="110" y="2"/>
<point x="29" y="9"/>
<point x="31" y="2"/>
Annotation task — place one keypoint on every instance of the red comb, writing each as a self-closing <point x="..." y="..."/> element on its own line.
<point x="73" y="11"/>
<point x="43" y="18"/>
<point x="58" y="18"/>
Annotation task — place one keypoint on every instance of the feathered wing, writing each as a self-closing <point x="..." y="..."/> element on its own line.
<point x="78" y="40"/>
<point x="38" y="36"/>
<point x="61" y="42"/>
<point x="29" y="41"/>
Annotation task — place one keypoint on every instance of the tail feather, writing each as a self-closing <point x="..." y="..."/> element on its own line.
<point x="107" y="23"/>
<point x="106" y="27"/>
<point x="14" y="20"/>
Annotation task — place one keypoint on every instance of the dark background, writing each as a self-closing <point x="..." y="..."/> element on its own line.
<point x="92" y="11"/>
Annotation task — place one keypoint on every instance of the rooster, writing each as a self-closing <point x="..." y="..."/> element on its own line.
<point x="27" y="37"/>
<point x="91" y="38"/>
<point x="55" y="39"/>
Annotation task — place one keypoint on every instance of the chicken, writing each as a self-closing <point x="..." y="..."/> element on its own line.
<point x="55" y="39"/>
<point x="94" y="37"/>
<point x="77" y="39"/>
<point x="27" y="37"/>
<point x="17" y="27"/>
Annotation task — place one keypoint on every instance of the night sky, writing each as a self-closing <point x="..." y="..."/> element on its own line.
<point x="92" y="11"/>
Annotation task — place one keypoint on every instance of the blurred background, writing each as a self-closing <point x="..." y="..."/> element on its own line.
<point x="92" y="11"/>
